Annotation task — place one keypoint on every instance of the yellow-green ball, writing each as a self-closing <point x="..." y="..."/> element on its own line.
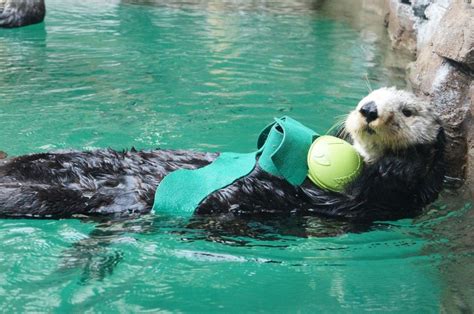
<point x="333" y="163"/>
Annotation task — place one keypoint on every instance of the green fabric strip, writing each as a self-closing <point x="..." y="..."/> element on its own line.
<point x="181" y="191"/>
<point x="282" y="150"/>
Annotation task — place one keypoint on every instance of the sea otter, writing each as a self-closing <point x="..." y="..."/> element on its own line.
<point x="399" y="137"/>
<point x="16" y="13"/>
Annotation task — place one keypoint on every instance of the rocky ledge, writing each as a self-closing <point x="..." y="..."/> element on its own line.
<point x="441" y="35"/>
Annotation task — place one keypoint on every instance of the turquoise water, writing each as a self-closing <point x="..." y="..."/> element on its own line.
<point x="208" y="75"/>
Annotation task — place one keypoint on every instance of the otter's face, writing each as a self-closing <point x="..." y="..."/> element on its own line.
<point x="390" y="120"/>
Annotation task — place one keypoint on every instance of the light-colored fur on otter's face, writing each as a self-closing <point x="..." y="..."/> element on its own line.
<point x="403" y="121"/>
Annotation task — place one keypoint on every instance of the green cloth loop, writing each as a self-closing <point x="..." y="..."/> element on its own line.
<point x="285" y="145"/>
<point x="181" y="191"/>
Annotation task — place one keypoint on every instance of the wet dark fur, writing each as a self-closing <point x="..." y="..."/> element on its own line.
<point x="110" y="183"/>
<point x="22" y="12"/>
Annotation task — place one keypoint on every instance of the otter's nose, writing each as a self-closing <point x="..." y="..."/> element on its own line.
<point x="369" y="111"/>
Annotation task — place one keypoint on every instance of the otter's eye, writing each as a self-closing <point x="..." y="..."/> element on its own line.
<point x="407" y="112"/>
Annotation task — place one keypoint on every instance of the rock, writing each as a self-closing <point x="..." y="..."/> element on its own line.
<point x="470" y="143"/>
<point x="440" y="32"/>
<point x="401" y="25"/>
<point x="3" y="155"/>
<point x="443" y="73"/>
<point x="375" y="6"/>
<point x="419" y="8"/>
<point x="454" y="38"/>
<point x="422" y="72"/>
<point x="449" y="89"/>
<point x="427" y="24"/>
<point x="16" y="13"/>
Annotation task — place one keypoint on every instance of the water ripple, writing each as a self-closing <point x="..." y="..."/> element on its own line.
<point x="201" y="75"/>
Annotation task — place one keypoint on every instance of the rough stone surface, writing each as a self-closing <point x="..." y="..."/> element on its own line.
<point x="470" y="141"/>
<point x="429" y="16"/>
<point x="444" y="67"/>
<point x="454" y="38"/>
<point x="419" y="8"/>
<point x="401" y="25"/>
<point x="449" y="90"/>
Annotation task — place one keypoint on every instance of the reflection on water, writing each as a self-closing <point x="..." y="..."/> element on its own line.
<point x="111" y="74"/>
<point x="208" y="75"/>
<point x="451" y="225"/>
<point x="212" y="6"/>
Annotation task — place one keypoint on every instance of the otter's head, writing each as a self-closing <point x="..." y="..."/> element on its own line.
<point x="391" y="120"/>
